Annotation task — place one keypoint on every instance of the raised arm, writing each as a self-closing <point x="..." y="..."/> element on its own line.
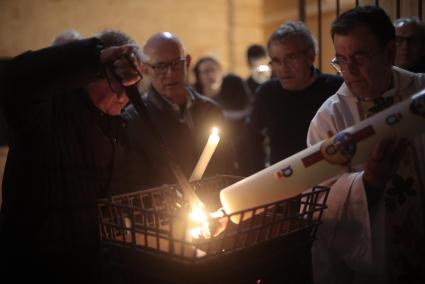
<point x="36" y="75"/>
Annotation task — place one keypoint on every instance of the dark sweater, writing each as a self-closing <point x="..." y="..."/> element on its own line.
<point x="59" y="162"/>
<point x="285" y="116"/>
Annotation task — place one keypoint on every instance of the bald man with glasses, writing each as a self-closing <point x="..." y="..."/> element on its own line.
<point x="410" y="44"/>
<point x="183" y="117"/>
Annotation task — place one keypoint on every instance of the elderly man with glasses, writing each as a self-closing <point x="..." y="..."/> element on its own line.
<point x="183" y="118"/>
<point x="284" y="106"/>
<point x="373" y="229"/>
<point x="410" y="44"/>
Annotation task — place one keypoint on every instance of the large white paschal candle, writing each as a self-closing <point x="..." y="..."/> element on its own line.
<point x="326" y="159"/>
<point x="206" y="155"/>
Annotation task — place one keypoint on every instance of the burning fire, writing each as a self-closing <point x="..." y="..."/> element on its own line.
<point x="202" y="219"/>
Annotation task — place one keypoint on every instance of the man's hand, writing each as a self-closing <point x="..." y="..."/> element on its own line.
<point x="122" y="65"/>
<point x="384" y="161"/>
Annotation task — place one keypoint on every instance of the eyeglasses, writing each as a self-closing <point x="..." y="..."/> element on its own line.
<point x="340" y="64"/>
<point x="399" y="40"/>
<point x="289" y="59"/>
<point x="162" y="68"/>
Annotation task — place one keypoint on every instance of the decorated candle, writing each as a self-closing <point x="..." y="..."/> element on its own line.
<point x="326" y="159"/>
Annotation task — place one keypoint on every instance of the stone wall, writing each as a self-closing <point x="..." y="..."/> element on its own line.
<point x="223" y="28"/>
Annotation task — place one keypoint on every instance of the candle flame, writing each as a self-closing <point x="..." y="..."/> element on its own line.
<point x="214" y="130"/>
<point x="201" y="231"/>
<point x="204" y="227"/>
<point x="199" y="216"/>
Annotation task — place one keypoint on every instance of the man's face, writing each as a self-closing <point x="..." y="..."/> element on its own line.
<point x="210" y="75"/>
<point x="260" y="69"/>
<point x="166" y="69"/>
<point x="410" y="47"/>
<point x="366" y="66"/>
<point x="291" y="64"/>
<point x="105" y="99"/>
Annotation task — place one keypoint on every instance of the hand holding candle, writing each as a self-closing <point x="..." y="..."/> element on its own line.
<point x="206" y="155"/>
<point x="326" y="159"/>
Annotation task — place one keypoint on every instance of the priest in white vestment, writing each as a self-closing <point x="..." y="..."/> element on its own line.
<point x="373" y="230"/>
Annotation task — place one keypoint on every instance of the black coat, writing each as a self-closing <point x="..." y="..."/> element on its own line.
<point x="60" y="160"/>
<point x="285" y="116"/>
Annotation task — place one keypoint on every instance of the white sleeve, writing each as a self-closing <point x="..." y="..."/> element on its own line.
<point x="321" y="124"/>
<point x="352" y="239"/>
<point x="347" y="243"/>
<point x="345" y="239"/>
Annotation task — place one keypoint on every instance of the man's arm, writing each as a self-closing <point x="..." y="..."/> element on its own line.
<point x="33" y="78"/>
<point x="35" y="75"/>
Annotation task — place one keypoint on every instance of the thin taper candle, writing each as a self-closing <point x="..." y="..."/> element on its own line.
<point x="206" y="155"/>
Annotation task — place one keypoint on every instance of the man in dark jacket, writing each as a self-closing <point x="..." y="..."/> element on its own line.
<point x="64" y="136"/>
<point x="183" y="118"/>
<point x="284" y="106"/>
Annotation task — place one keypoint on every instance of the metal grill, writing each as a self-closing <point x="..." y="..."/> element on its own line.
<point x="147" y="226"/>
<point x="393" y="8"/>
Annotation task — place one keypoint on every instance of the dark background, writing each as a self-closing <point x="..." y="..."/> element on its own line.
<point x="3" y="126"/>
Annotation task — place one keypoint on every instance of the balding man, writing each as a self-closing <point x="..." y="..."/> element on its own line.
<point x="66" y="36"/>
<point x="183" y="117"/>
<point x="410" y="43"/>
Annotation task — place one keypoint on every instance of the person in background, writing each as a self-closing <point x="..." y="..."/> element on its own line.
<point x="183" y="117"/>
<point x="228" y="91"/>
<point x="66" y="36"/>
<point x="285" y="105"/>
<point x="62" y="105"/>
<point x="410" y="44"/>
<point x="373" y="228"/>
<point x="208" y="76"/>
<point x="259" y="68"/>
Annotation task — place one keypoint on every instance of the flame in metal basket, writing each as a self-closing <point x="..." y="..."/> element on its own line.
<point x="200" y="218"/>
<point x="204" y="229"/>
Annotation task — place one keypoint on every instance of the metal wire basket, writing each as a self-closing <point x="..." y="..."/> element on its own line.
<point x="148" y="223"/>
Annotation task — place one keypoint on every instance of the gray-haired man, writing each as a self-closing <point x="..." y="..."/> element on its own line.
<point x="284" y="106"/>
